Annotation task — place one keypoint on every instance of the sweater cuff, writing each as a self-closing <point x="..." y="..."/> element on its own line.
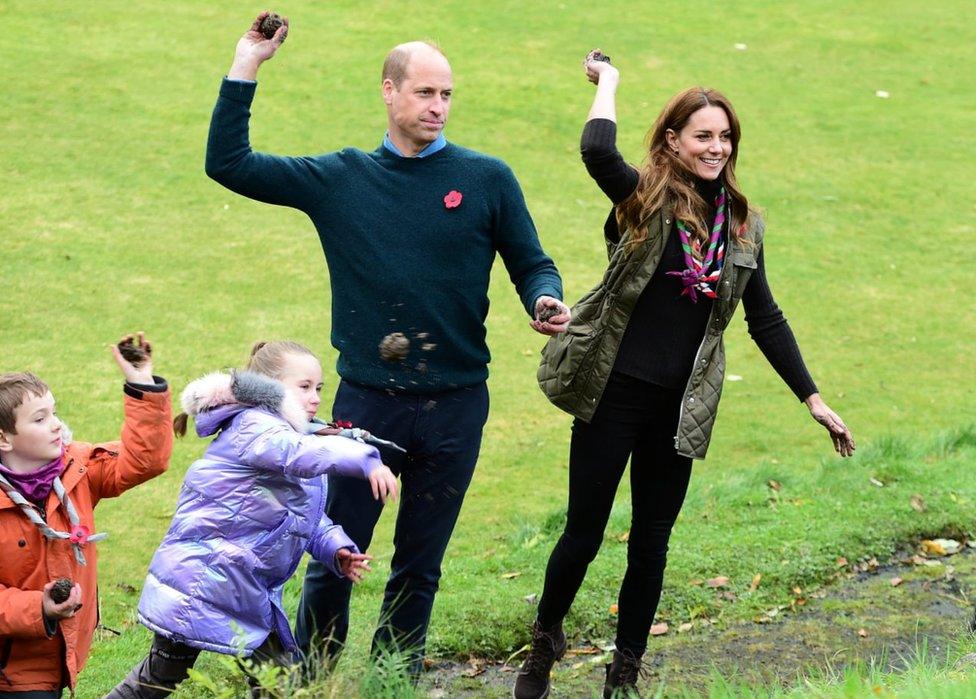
<point x="238" y="90"/>
<point x="50" y="626"/>
<point x="137" y="389"/>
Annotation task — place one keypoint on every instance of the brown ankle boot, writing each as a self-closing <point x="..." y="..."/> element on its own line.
<point x="622" y="675"/>
<point x="548" y="646"/>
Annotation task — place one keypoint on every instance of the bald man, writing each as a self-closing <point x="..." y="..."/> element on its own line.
<point x="409" y="232"/>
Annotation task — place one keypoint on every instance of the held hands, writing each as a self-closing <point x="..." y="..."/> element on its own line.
<point x="839" y="434"/>
<point x="552" y="316"/>
<point x="597" y="70"/>
<point x="383" y="483"/>
<point x="67" y="609"/>
<point x="253" y="49"/>
<point x="133" y="354"/>
<point x="352" y="566"/>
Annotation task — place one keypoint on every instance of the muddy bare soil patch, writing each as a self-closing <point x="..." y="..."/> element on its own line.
<point x="882" y="616"/>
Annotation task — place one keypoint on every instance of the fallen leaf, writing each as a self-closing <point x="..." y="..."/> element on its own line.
<point x="727" y="595"/>
<point x="862" y="633"/>
<point x="589" y="650"/>
<point x="797" y="590"/>
<point x="841" y="561"/>
<point x="895" y="582"/>
<point x="695" y="581"/>
<point x="950" y="546"/>
<point x="659" y="629"/>
<point x="917" y="503"/>
<point x="875" y="481"/>
<point x="775" y="485"/>
<point x="475" y="668"/>
<point x="932" y="548"/>
<point x="531" y="599"/>
<point x="719" y="581"/>
<point x="509" y="576"/>
<point x="613" y="608"/>
<point x="755" y="582"/>
<point x="687" y="626"/>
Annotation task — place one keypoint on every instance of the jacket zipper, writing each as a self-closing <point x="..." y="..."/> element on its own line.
<point x="681" y="410"/>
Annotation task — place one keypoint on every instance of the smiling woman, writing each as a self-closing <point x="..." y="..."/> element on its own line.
<point x="642" y="364"/>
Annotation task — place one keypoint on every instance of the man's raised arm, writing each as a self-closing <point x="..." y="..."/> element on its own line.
<point x="230" y="160"/>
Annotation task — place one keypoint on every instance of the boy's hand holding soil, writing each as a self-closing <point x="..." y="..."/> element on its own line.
<point x="133" y="354"/>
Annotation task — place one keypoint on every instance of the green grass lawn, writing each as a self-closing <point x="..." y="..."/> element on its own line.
<point x="110" y="225"/>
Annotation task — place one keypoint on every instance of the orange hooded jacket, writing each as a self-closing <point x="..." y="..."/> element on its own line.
<point x="29" y="658"/>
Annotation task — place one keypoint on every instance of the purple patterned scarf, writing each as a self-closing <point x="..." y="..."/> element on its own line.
<point x="36" y="485"/>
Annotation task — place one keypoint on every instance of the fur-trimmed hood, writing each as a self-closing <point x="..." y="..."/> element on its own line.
<point x="212" y="399"/>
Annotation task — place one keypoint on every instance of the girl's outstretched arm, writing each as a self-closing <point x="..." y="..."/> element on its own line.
<point x="266" y="442"/>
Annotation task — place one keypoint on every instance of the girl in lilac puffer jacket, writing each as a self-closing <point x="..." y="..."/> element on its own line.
<point x="249" y="508"/>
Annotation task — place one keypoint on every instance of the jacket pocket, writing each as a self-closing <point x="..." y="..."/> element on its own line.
<point x="743" y="264"/>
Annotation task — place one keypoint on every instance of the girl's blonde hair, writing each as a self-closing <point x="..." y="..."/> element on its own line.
<point x="266" y="358"/>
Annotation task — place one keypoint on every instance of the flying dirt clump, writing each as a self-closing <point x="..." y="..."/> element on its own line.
<point x="394" y="347"/>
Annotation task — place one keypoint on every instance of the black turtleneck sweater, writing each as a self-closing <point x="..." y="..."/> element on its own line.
<point x="665" y="328"/>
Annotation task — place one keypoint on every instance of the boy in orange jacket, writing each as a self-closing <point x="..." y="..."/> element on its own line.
<point x="49" y="487"/>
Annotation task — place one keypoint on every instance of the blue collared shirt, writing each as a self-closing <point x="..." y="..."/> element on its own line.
<point x="429" y="149"/>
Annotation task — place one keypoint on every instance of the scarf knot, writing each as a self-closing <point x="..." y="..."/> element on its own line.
<point x="699" y="276"/>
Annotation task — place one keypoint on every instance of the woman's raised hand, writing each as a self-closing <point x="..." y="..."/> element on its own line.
<point x="597" y="67"/>
<point x="841" y="436"/>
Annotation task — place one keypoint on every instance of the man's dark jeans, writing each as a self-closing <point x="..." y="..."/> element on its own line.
<point x="442" y="436"/>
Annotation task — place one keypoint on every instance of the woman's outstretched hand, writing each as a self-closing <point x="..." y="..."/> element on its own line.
<point x="839" y="434"/>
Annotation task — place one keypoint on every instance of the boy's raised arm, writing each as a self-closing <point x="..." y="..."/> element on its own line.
<point x="147" y="433"/>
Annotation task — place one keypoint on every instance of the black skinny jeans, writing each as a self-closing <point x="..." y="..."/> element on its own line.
<point x="635" y="420"/>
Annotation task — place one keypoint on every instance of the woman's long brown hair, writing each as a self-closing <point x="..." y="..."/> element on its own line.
<point x="664" y="179"/>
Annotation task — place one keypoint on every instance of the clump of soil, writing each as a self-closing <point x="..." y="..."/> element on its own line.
<point x="394" y="347"/>
<point x="61" y="590"/>
<point x="270" y="24"/>
<point x="135" y="354"/>
<point x="547" y="313"/>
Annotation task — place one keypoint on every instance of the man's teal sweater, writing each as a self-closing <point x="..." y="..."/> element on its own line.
<point x="400" y="259"/>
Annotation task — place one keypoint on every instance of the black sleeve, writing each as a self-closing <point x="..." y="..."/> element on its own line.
<point x="137" y="389"/>
<point x="603" y="161"/>
<point x="771" y="332"/>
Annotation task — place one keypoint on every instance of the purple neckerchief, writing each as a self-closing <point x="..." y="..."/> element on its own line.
<point x="37" y="484"/>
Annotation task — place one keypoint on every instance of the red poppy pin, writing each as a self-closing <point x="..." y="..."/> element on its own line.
<point x="343" y="424"/>
<point x="452" y="199"/>
<point x="79" y="534"/>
